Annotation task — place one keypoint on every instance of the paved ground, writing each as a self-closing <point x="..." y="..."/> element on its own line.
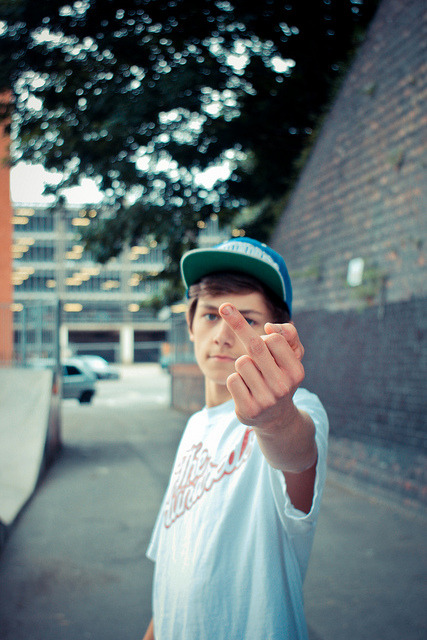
<point x="74" y="567"/>
<point x="367" y="579"/>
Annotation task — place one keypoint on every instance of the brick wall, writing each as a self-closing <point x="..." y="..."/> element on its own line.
<point x="363" y="195"/>
<point x="368" y="371"/>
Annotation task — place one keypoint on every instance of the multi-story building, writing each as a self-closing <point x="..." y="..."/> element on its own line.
<point x="102" y="306"/>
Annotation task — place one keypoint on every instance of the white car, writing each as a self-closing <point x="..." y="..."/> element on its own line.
<point x="101" y="368"/>
<point x="78" y="380"/>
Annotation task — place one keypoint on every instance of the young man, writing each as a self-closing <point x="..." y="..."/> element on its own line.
<point x="234" y="533"/>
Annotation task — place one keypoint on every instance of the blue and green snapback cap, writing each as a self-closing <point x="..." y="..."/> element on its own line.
<point x="243" y="255"/>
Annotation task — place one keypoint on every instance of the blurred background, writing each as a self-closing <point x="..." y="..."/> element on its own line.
<point x="133" y="130"/>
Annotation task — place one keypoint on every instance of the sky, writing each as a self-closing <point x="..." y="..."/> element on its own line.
<point x="27" y="183"/>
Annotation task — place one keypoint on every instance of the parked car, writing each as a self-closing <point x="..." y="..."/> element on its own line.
<point x="100" y="367"/>
<point x="78" y="380"/>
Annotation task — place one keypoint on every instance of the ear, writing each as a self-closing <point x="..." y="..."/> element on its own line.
<point x="190" y="331"/>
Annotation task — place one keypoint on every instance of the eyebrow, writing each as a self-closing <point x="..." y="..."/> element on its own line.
<point x="244" y="312"/>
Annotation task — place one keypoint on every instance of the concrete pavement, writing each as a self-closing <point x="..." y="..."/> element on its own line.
<point x="74" y="567"/>
<point x="367" y="578"/>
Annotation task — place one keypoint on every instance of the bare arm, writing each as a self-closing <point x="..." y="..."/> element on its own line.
<point x="149" y="634"/>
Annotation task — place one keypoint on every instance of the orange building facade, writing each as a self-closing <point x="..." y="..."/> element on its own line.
<point x="6" y="289"/>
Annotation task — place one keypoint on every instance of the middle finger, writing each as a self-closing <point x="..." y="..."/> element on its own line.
<point x="252" y="341"/>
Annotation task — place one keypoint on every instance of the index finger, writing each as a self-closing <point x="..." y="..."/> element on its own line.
<point x="255" y="345"/>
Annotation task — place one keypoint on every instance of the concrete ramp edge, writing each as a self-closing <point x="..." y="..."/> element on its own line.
<point x="25" y="423"/>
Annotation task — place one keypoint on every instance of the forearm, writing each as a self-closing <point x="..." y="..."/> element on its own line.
<point x="290" y="446"/>
<point x="149" y="634"/>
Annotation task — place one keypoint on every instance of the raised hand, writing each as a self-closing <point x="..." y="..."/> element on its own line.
<point x="268" y="375"/>
<point x="262" y="387"/>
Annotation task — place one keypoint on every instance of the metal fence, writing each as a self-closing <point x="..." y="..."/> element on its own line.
<point x="28" y="332"/>
<point x="181" y="346"/>
<point x="149" y="351"/>
<point x="107" y="314"/>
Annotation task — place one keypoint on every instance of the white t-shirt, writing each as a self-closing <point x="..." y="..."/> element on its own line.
<point x="231" y="551"/>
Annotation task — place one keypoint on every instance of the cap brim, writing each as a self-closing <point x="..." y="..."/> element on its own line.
<point x="200" y="262"/>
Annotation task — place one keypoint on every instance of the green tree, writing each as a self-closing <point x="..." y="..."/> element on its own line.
<point x="146" y="95"/>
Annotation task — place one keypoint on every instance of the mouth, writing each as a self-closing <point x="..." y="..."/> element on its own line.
<point x="222" y="358"/>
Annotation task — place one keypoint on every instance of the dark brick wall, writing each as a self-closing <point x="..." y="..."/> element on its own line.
<point x="363" y="195"/>
<point x="363" y="192"/>
<point x="370" y="371"/>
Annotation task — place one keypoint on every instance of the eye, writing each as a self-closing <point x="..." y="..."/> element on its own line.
<point x="210" y="317"/>
<point x="251" y="322"/>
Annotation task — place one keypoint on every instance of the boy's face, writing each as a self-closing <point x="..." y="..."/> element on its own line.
<point x="216" y="346"/>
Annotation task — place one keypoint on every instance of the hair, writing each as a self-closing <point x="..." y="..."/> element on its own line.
<point x="236" y="282"/>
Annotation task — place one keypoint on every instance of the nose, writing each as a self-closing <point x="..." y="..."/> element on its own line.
<point x="224" y="336"/>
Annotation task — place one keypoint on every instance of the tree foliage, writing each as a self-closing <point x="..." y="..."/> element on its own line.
<point x="146" y="96"/>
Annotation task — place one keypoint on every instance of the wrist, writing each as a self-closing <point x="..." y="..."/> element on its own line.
<point x="284" y="418"/>
<point x="290" y="444"/>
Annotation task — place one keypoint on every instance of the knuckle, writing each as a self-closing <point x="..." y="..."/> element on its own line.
<point x="242" y="363"/>
<point x="299" y="372"/>
<point x="252" y="411"/>
<point x="281" y="389"/>
<point x="238" y="323"/>
<point x="268" y="402"/>
<point x="274" y="340"/>
<point x="232" y="380"/>
<point x="255" y="346"/>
